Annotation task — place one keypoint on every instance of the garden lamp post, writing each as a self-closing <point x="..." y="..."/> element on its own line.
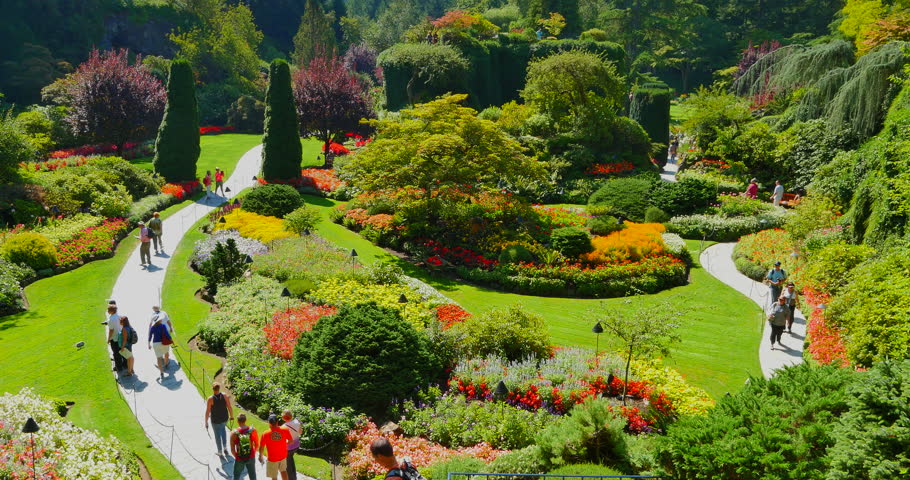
<point x="402" y="299"/>
<point x="287" y="294"/>
<point x="31" y="427"/>
<point x="236" y="201"/>
<point x="598" y="329"/>
<point x="227" y="191"/>
<point x="501" y="392"/>
<point x="353" y="257"/>
<point x="222" y="220"/>
<point x="248" y="260"/>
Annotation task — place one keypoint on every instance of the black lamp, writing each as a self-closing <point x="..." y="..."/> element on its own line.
<point x="285" y="292"/>
<point x="402" y="299"/>
<point x="236" y="201"/>
<point x="31" y="427"/>
<point x="306" y="231"/>
<point x="255" y="178"/>
<point x="222" y="220"/>
<point x="501" y="392"/>
<point x="248" y="260"/>
<point x="227" y="189"/>
<point x="353" y="256"/>
<point x="598" y="329"/>
<point x="619" y="220"/>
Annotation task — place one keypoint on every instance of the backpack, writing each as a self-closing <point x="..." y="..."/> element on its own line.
<point x="409" y="472"/>
<point x="133" y="336"/>
<point x="244" y="443"/>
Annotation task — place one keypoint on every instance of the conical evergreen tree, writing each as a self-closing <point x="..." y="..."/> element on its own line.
<point x="281" y="150"/>
<point x="315" y="36"/>
<point x="177" y="145"/>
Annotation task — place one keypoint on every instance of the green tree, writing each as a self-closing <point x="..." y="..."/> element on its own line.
<point x="363" y="357"/>
<point x="513" y="334"/>
<point x="440" y="144"/>
<point x="281" y="149"/>
<point x="177" y="146"/>
<point x="315" y="37"/>
<point x="14" y="147"/>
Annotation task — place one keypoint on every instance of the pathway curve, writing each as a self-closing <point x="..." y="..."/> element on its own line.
<point x="171" y="410"/>
<point x="668" y="174"/>
<point x="718" y="261"/>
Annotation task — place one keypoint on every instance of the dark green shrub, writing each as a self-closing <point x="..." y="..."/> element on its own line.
<point x="458" y="463"/>
<point x="571" y="241"/>
<point x="592" y="469"/>
<point x="11" y="275"/>
<point x="687" y="196"/>
<point x="225" y="266"/>
<point x="26" y="211"/>
<point x="281" y="149"/>
<point x="31" y="249"/>
<point x="363" y="357"/>
<point x="177" y="147"/>
<point x="828" y="269"/>
<point x="591" y="432"/>
<point x="512" y="333"/>
<point x="750" y="269"/>
<point x="515" y="254"/>
<point x="247" y="114"/>
<point x="143" y="209"/>
<point x="214" y="101"/>
<point x="274" y="200"/>
<point x="626" y="197"/>
<point x="656" y="215"/>
<point x="302" y="219"/>
<point x="651" y="109"/>
<point x="604" y="225"/>
<point x="138" y="182"/>
<point x="773" y="428"/>
<point x="526" y="460"/>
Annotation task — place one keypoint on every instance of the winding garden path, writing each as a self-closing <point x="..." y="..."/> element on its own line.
<point x="171" y="409"/>
<point x="718" y="261"/>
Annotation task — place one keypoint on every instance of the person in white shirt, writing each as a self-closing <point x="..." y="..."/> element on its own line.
<point x="294" y="426"/>
<point x="113" y="333"/>
<point x="778" y="195"/>
<point x="158" y="313"/>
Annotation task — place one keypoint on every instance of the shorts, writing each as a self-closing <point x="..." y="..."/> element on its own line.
<point x="160" y="349"/>
<point x="272" y="468"/>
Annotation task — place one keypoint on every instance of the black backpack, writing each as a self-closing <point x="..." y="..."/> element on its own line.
<point x="133" y="336"/>
<point x="409" y="472"/>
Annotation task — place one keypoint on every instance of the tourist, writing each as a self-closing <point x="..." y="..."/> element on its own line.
<point x="791" y="296"/>
<point x="244" y="442"/>
<point x="776" y="278"/>
<point x="155" y="225"/>
<point x="207" y="182"/>
<point x="218" y="408"/>
<point x="158" y="313"/>
<point x="145" y="243"/>
<point x="160" y="339"/>
<point x="219" y="180"/>
<point x="384" y="455"/>
<point x="293" y="425"/>
<point x="778" y="195"/>
<point x="752" y="189"/>
<point x="778" y="318"/>
<point x="113" y="336"/>
<point x="674" y="149"/>
<point x="276" y="442"/>
<point x="125" y="341"/>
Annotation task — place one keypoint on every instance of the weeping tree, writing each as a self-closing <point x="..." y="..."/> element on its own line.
<point x="788" y="68"/>
<point x="177" y="146"/>
<point x="281" y="149"/>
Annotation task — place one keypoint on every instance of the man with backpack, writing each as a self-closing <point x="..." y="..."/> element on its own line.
<point x="244" y="442"/>
<point x="218" y="408"/>
<point x="382" y="452"/>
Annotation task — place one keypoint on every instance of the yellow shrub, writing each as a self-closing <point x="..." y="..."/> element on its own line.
<point x="637" y="240"/>
<point x="688" y="400"/>
<point x="255" y="226"/>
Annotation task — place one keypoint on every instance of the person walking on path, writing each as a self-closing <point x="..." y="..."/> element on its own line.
<point x="752" y="189"/>
<point x="125" y="341"/>
<point x="382" y="452"/>
<point x="160" y="339"/>
<point x="275" y="441"/>
<point x="207" y="182"/>
<point x="293" y="425"/>
<point x="145" y="256"/>
<point x="776" y="278"/>
<point x="778" y="195"/>
<point x="159" y="314"/>
<point x="244" y="443"/>
<point x="219" y="180"/>
<point x="155" y="225"/>
<point x="792" y="301"/>
<point x="113" y="336"/>
<point x="218" y="408"/>
<point x="778" y="318"/>
<point x="674" y="149"/>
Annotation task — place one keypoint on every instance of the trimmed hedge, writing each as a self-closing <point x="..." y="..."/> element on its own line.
<point x="721" y="229"/>
<point x="651" y="108"/>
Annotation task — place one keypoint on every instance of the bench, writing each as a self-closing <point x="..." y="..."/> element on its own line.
<point x="790" y="200"/>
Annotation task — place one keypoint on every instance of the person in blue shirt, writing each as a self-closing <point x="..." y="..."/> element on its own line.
<point x="776" y="278"/>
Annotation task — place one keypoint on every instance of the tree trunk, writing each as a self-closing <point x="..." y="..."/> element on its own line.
<point x="329" y="160"/>
<point x="625" y="382"/>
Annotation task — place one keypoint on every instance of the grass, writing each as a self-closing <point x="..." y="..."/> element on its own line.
<point x="679" y="113"/>
<point x="720" y="333"/>
<point x="217" y="148"/>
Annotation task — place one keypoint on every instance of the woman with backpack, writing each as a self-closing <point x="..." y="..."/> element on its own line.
<point x="244" y="442"/>
<point x="128" y="337"/>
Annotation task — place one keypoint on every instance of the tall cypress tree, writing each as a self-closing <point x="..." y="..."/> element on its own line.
<point x="177" y="145"/>
<point x="281" y="150"/>
<point x="315" y="37"/>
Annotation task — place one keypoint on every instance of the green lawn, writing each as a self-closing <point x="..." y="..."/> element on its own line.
<point x="217" y="148"/>
<point x="679" y="113"/>
<point x="720" y="336"/>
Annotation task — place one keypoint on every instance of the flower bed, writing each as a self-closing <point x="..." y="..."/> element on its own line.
<point x="450" y="314"/>
<point x="636" y="241"/>
<point x="91" y="243"/>
<point x="725" y="229"/>
<point x="282" y="332"/>
<point x="203" y="249"/>
<point x="130" y="151"/>
<point x="216" y="130"/>
<point x="553" y="217"/>
<point x="755" y="254"/>
<point x="51" y="165"/>
<point x="610" y="168"/>
<point x="336" y="292"/>
<point x="321" y="179"/>
<point x="182" y="189"/>
<point x="59" y="230"/>
<point x="826" y="344"/>
<point x="252" y="225"/>
<point x="336" y="149"/>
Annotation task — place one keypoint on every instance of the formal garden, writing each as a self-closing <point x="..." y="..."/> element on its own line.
<point x="477" y="228"/>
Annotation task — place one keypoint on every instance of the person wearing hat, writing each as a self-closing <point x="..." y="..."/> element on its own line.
<point x="275" y="441"/>
<point x="155" y="225"/>
<point x="790" y="295"/>
<point x="776" y="278"/>
<point x="145" y="245"/>
<point x="752" y="189"/>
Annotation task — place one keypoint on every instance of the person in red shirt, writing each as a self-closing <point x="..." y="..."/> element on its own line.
<point x="219" y="180"/>
<point x="752" y="189"/>
<point x="244" y="442"/>
<point x="275" y="441"/>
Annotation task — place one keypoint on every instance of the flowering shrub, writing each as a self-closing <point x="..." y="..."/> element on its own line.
<point x="216" y="130"/>
<point x="450" y="314"/>
<point x="764" y="248"/>
<point x="173" y="190"/>
<point x="51" y="165"/>
<point x="203" y="249"/>
<point x="321" y="179"/>
<point x="736" y="205"/>
<point x="59" y="230"/>
<point x="421" y="451"/>
<point x="722" y="229"/>
<point x="11" y="275"/>
<point x="610" y="168"/>
<point x="308" y="257"/>
<point x="337" y="292"/>
<point x="636" y="241"/>
<point x="552" y="217"/>
<point x="91" y="242"/>
<point x="459" y="255"/>
<point x="63" y="450"/>
<point x="130" y="151"/>
<point x="336" y="149"/>
<point x="686" y="399"/>
<point x="252" y="225"/>
<point x="826" y="344"/>
<point x="286" y="326"/>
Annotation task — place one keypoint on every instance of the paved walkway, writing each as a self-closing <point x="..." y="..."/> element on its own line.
<point x="171" y="410"/>
<point x="669" y="172"/>
<point x="718" y="261"/>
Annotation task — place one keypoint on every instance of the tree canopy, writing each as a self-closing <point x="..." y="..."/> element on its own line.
<point x="281" y="149"/>
<point x="315" y="36"/>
